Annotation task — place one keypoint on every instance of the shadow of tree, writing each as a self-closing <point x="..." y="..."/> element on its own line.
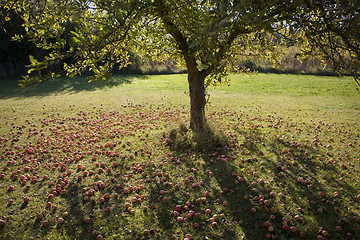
<point x="250" y="215"/>
<point x="268" y="181"/>
<point x="76" y="210"/>
<point x="230" y="196"/>
<point x="297" y="170"/>
<point x="9" y="88"/>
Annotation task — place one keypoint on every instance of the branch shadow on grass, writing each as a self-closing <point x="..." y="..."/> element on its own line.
<point x="9" y="88"/>
<point x="293" y="183"/>
<point x="233" y="199"/>
<point x="82" y="230"/>
<point x="307" y="177"/>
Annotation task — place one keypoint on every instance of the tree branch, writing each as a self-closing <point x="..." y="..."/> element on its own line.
<point x="163" y="12"/>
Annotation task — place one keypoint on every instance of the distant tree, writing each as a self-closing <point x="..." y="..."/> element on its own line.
<point x="206" y="35"/>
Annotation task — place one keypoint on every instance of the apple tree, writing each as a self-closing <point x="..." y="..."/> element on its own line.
<point x="205" y="35"/>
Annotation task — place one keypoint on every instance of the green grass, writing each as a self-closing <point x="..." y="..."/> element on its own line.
<point x="293" y="152"/>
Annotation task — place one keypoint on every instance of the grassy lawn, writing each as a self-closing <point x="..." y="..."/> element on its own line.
<point x="81" y="161"/>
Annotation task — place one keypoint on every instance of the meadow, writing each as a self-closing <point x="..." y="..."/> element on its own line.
<point x="82" y="161"/>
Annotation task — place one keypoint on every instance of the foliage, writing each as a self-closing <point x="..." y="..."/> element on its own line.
<point x="6" y="7"/>
<point x="210" y="33"/>
<point x="333" y="32"/>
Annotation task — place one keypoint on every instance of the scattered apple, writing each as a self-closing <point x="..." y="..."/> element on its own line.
<point x="60" y="220"/>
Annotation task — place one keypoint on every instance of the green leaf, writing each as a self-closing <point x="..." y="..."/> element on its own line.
<point x="30" y="70"/>
<point x="33" y="61"/>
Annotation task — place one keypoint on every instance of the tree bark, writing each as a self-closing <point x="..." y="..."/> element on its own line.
<point x="196" y="80"/>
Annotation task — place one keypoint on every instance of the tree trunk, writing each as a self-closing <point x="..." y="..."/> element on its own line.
<point x="196" y="81"/>
<point x="196" y="78"/>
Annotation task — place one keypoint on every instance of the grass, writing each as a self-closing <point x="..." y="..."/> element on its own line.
<point x="292" y="159"/>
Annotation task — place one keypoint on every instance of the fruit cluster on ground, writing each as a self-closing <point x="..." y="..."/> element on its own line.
<point x="96" y="173"/>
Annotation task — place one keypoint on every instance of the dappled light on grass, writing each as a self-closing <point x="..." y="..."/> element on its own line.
<point x="99" y="173"/>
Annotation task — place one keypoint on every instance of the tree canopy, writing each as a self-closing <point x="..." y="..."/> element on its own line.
<point x="204" y="35"/>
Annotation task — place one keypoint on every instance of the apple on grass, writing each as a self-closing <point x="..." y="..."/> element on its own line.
<point x="60" y="220"/>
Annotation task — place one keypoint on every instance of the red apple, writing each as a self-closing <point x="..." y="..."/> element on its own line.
<point x="267" y="224"/>
<point x="106" y="195"/>
<point x="270" y="228"/>
<point x="60" y="220"/>
<point x="293" y="228"/>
